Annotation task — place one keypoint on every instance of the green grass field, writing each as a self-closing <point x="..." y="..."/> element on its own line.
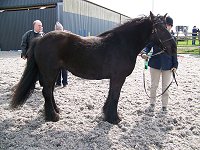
<point x="188" y="43"/>
<point x="186" y="51"/>
<point x="186" y="47"/>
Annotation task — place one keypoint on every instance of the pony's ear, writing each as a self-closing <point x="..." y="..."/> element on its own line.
<point x="165" y="15"/>
<point x="151" y="16"/>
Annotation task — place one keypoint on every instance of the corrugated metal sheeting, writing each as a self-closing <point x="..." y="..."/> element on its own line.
<point x="15" y="23"/>
<point x="124" y="19"/>
<point x="5" y="4"/>
<point x="79" y="16"/>
<point x="88" y="9"/>
<point x="85" y="18"/>
<point x="19" y="16"/>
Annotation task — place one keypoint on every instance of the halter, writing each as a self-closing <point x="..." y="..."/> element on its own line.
<point x="173" y="80"/>
<point x="161" y="45"/>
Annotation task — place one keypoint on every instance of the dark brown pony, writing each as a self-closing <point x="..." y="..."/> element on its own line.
<point x="110" y="55"/>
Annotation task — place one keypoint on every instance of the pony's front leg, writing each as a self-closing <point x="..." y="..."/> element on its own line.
<point x="110" y="106"/>
<point x="50" y="112"/>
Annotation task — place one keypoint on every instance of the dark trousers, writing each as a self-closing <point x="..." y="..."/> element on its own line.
<point x="193" y="40"/>
<point x="63" y="73"/>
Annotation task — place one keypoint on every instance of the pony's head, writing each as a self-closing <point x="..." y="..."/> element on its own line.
<point x="161" y="36"/>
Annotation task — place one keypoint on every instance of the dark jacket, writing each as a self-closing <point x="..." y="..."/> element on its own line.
<point x="194" y="31"/>
<point x="162" y="61"/>
<point x="26" y="40"/>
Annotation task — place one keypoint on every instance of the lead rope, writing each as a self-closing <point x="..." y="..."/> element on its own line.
<point x="145" y="68"/>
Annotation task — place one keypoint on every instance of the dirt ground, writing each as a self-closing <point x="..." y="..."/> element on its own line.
<point x="81" y="126"/>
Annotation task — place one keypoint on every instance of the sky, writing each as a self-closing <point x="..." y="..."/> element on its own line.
<point x="183" y="12"/>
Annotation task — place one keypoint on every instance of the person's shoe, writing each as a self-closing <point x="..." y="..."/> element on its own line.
<point x="64" y="85"/>
<point x="57" y="85"/>
<point x="164" y="109"/>
<point x="150" y="108"/>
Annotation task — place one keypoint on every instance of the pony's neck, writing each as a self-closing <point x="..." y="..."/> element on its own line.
<point x="137" y="33"/>
<point x="134" y="34"/>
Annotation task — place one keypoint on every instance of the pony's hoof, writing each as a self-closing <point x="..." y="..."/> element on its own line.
<point x="113" y="121"/>
<point x="57" y="109"/>
<point x="53" y="118"/>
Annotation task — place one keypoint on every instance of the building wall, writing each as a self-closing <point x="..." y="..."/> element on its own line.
<point x="14" y="24"/>
<point x="85" y="18"/>
<point x="6" y="4"/>
<point x="79" y="16"/>
<point x="84" y="25"/>
<point x="85" y="8"/>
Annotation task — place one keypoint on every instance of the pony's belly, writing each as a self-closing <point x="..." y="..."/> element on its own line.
<point x="89" y="74"/>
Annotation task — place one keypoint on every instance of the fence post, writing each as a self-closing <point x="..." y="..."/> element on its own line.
<point x="187" y="40"/>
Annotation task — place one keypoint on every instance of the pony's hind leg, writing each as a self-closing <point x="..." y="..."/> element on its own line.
<point x="51" y="110"/>
<point x="110" y="106"/>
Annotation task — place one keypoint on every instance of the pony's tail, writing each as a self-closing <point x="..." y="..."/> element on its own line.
<point x="26" y="85"/>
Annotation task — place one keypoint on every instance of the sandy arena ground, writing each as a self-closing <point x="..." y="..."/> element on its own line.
<point x="81" y="126"/>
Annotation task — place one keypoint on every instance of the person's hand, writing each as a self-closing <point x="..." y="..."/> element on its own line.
<point x="144" y="56"/>
<point x="173" y="69"/>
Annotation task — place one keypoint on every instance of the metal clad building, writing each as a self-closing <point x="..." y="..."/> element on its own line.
<point x="10" y="4"/>
<point x="79" y="16"/>
<point x="85" y="18"/>
<point x="18" y="16"/>
<point x="14" y="24"/>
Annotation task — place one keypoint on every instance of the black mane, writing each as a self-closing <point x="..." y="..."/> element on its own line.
<point x="128" y="25"/>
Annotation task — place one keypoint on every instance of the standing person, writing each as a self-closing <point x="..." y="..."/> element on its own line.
<point x="160" y="65"/>
<point x="29" y="36"/>
<point x="172" y="32"/>
<point x="185" y="31"/>
<point x="199" y="37"/>
<point x="194" y="34"/>
<point x="63" y="71"/>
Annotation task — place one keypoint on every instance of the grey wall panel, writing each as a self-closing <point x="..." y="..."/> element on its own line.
<point x="78" y="16"/>
<point x="60" y="12"/>
<point x="84" y="25"/>
<point x="91" y="10"/>
<point x="124" y="19"/>
<point x="14" y="24"/>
